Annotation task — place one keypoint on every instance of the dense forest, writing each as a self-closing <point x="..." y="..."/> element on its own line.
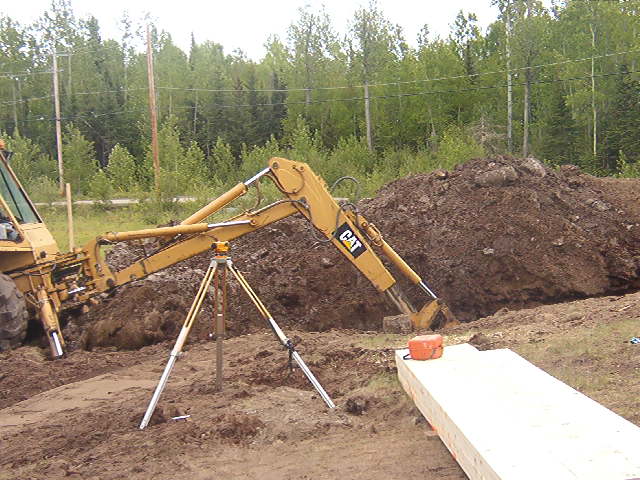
<point x="558" y="83"/>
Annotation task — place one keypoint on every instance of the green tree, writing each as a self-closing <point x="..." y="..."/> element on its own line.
<point x="29" y="162"/>
<point x="622" y="129"/>
<point x="561" y="134"/>
<point x="100" y="187"/>
<point x="373" y="44"/>
<point x="222" y="164"/>
<point x="121" y="169"/>
<point x="79" y="160"/>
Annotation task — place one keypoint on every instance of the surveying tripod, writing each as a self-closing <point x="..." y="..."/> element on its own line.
<point x="217" y="272"/>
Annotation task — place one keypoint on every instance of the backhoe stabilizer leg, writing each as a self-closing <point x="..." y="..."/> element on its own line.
<point x="50" y="324"/>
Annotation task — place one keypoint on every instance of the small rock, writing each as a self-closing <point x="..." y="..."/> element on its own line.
<point x="573" y="316"/>
<point x="497" y="178"/>
<point x="598" y="205"/>
<point x="570" y="170"/>
<point x="558" y="242"/>
<point x="441" y="174"/>
<point x="397" y="324"/>
<point x="325" y="262"/>
<point x="488" y="251"/>
<point x="548" y="318"/>
<point x="479" y="340"/>
<point x="534" y="167"/>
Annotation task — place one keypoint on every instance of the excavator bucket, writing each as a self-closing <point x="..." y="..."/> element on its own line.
<point x="434" y="315"/>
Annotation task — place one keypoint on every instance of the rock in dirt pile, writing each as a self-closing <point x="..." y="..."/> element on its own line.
<point x="492" y="233"/>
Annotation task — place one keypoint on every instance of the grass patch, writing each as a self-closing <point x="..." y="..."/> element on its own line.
<point x="594" y="360"/>
<point x="89" y="222"/>
<point x="384" y="340"/>
<point x="594" y="345"/>
<point x="383" y="382"/>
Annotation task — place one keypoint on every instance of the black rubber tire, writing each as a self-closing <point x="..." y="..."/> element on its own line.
<point x="14" y="317"/>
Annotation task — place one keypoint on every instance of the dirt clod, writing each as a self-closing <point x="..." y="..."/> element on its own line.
<point x="357" y="405"/>
<point x="239" y="428"/>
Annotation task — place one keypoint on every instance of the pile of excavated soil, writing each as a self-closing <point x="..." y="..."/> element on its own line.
<point x="493" y="233"/>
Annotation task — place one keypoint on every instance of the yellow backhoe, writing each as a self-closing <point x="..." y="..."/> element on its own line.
<point x="39" y="281"/>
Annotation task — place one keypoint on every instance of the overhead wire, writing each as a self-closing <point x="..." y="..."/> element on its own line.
<point x="328" y="100"/>
<point x="414" y="94"/>
<point x="343" y="87"/>
<point x="337" y="87"/>
<point x="404" y="82"/>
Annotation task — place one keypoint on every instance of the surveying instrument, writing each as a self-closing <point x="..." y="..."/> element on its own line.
<point x="220" y="264"/>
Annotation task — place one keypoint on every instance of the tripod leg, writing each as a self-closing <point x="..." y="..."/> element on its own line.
<point x="177" y="348"/>
<point x="280" y="335"/>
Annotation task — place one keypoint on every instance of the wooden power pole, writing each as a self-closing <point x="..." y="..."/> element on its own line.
<point x="509" y="82"/>
<point x="154" y="116"/>
<point x="56" y="99"/>
<point x="15" y="105"/>
<point x="367" y="116"/>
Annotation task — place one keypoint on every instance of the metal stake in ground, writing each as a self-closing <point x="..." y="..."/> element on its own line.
<point x="220" y="307"/>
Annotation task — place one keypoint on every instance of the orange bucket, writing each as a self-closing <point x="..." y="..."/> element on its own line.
<point x="425" y="347"/>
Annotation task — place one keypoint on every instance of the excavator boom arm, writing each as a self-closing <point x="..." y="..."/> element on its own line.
<point x="305" y="193"/>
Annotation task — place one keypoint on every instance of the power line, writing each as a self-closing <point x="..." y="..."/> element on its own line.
<point x="120" y="90"/>
<point x="350" y="99"/>
<point x="80" y="115"/>
<point x="25" y="100"/>
<point x="415" y="94"/>
<point x="25" y="74"/>
<point x="453" y="77"/>
<point x="405" y="82"/>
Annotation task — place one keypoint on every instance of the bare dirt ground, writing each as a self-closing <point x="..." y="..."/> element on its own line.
<point x="266" y="423"/>
<point x="498" y="238"/>
<point x="78" y="418"/>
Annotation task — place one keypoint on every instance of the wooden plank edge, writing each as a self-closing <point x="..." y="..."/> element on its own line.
<point x="462" y="450"/>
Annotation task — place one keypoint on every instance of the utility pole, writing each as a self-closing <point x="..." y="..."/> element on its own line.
<point x="527" y="86"/>
<point x="15" y="105"/>
<point x="69" y="74"/>
<point x="195" y="114"/>
<point x="154" y="115"/>
<point x="367" y="115"/>
<point x="594" y="110"/>
<point x="56" y="98"/>
<point x="509" y="82"/>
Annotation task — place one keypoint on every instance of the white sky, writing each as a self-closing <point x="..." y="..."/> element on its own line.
<point x="246" y="24"/>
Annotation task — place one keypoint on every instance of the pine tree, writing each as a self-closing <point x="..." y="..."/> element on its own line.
<point x="622" y="132"/>
<point x="560" y="136"/>
<point x="121" y="169"/>
<point x="79" y="159"/>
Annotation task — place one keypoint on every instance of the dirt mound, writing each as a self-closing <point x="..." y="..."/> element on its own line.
<point x="140" y="315"/>
<point x="493" y="233"/>
<point x="512" y="233"/>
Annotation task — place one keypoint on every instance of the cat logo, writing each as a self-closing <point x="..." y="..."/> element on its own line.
<point x="350" y="240"/>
